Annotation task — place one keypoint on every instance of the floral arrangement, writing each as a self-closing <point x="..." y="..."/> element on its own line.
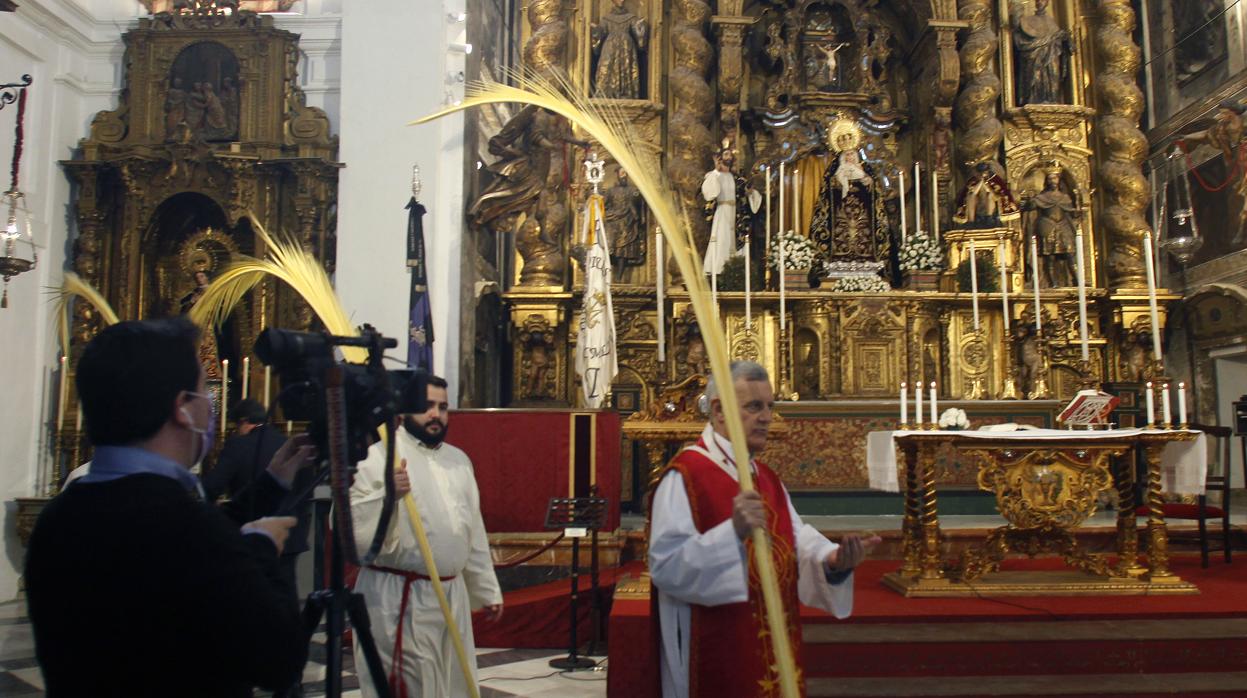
<point x="921" y="252"/>
<point x="732" y="278"/>
<point x="988" y="273"/>
<point x="799" y="252"/>
<point x="954" y="419"/>
<point x="861" y="284"/>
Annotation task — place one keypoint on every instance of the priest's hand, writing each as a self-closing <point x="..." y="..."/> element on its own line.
<point x="402" y="483"/>
<point x="493" y="612"/>
<point x="852" y="550"/>
<point x="277" y="528"/>
<point x="292" y="457"/>
<point x="748" y="513"/>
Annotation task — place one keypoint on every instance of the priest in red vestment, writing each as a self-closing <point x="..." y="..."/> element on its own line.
<point x="711" y="615"/>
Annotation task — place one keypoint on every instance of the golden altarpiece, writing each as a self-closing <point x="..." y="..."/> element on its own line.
<point x="211" y="129"/>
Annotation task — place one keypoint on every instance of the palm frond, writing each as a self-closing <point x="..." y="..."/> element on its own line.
<point x="73" y="285"/>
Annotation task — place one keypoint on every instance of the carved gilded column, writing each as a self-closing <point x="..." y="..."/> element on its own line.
<point x="731" y="28"/>
<point x="692" y="107"/>
<point x="980" y="130"/>
<point x="1122" y="145"/>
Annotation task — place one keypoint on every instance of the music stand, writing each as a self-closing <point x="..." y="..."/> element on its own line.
<point x="576" y="517"/>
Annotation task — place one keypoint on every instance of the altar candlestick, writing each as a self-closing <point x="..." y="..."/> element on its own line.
<point x="1004" y="287"/>
<point x="918" y="405"/>
<point x="1182" y="405"/>
<point x="246" y="377"/>
<point x="62" y="401"/>
<point x="224" y="393"/>
<point x="1082" y="296"/>
<point x="783" y="265"/>
<point x="935" y="205"/>
<point x="661" y="262"/>
<point x="1035" y="284"/>
<point x="935" y="410"/>
<point x="748" y="284"/>
<point x="796" y="199"/>
<point x="904" y="227"/>
<point x="1164" y="405"/>
<point x="780" y="228"/>
<point x="974" y="285"/>
<point x="1151" y="405"/>
<point x="268" y="383"/>
<point x="1151" y="294"/>
<point x="766" y="250"/>
<point x="904" y="404"/>
<point x="918" y="197"/>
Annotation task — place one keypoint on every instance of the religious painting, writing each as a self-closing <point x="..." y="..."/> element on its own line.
<point x="1199" y="36"/>
<point x="203" y="95"/>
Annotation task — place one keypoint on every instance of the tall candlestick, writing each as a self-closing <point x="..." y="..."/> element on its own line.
<point x="748" y="284"/>
<point x="268" y="384"/>
<point x="766" y="250"/>
<point x="62" y="400"/>
<point x="796" y="200"/>
<point x="904" y="227"/>
<point x="1182" y="405"/>
<point x="918" y="405"/>
<point x="1151" y="294"/>
<point x="1004" y="286"/>
<point x="904" y="404"/>
<point x="1082" y="296"/>
<point x="783" y="266"/>
<point x="918" y="197"/>
<point x="935" y="410"/>
<point x="661" y="262"/>
<point x="1164" y="405"/>
<point x="1035" y="284"/>
<point x="782" y="186"/>
<point x="974" y="285"/>
<point x="935" y="205"/>
<point x="1151" y="405"/>
<point x="246" y="377"/>
<point x="224" y="393"/>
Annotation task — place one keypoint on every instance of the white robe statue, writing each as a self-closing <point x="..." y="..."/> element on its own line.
<point x="710" y="568"/>
<point x="720" y="187"/>
<point x="444" y="486"/>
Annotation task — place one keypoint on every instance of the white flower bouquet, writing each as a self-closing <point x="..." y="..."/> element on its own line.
<point x="799" y="252"/>
<point x="954" y="419"/>
<point x="861" y="284"/>
<point x="921" y="252"/>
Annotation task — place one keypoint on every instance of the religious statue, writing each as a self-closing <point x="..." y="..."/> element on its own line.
<point x="528" y="194"/>
<point x="624" y="228"/>
<point x="619" y="41"/>
<point x="1228" y="135"/>
<point x="985" y="201"/>
<point x="1029" y="356"/>
<point x="1053" y="225"/>
<point x="843" y="225"/>
<point x="828" y="76"/>
<point x="720" y="188"/>
<point x="175" y="108"/>
<point x="215" y="345"/>
<point x="1042" y="48"/>
<point x="942" y="137"/>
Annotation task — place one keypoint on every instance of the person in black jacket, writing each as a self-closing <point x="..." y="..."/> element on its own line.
<point x="135" y="586"/>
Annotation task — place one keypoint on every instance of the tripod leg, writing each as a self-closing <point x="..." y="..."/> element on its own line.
<point x="362" y="627"/>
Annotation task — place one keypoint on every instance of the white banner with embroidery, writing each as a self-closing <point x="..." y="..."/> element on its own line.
<point x="596" y="361"/>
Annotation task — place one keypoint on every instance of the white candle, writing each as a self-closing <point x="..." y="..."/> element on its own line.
<point x="1182" y="405"/>
<point x="1164" y="405"/>
<point x="62" y="400"/>
<point x="1151" y="294"/>
<point x="78" y="419"/>
<point x="1035" y="284"/>
<point x="767" y="247"/>
<point x="782" y="186"/>
<point x="714" y="277"/>
<point x="224" y="393"/>
<point x="748" y="285"/>
<point x="974" y="285"/>
<point x="289" y="427"/>
<point x="935" y="205"/>
<point x="918" y="197"/>
<point x="904" y="227"/>
<point x="246" y="377"/>
<point x="918" y="405"/>
<point x="1082" y="296"/>
<point x="1151" y="405"/>
<point x="268" y="382"/>
<point x="796" y="200"/>
<point x="904" y="404"/>
<point x="661" y="262"/>
<point x="1004" y="286"/>
<point x="783" y="267"/>
<point x="935" y="410"/>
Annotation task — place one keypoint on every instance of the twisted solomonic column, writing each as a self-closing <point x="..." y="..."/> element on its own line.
<point x="981" y="130"/>
<point x="692" y="108"/>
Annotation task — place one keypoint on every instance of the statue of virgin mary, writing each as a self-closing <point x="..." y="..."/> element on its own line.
<point x="843" y="225"/>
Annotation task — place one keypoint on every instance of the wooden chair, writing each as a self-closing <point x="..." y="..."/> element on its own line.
<point x="1217" y="481"/>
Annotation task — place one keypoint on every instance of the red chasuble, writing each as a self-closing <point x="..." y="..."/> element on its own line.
<point x="730" y="648"/>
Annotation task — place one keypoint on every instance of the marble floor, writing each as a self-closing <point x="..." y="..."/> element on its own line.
<point x="503" y="672"/>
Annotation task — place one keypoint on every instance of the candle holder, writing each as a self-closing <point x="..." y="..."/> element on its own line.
<point x="785" y="365"/>
<point x="1009" y="391"/>
<point x="977" y="389"/>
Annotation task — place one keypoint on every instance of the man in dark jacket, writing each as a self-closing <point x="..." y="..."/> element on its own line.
<point x="135" y="587"/>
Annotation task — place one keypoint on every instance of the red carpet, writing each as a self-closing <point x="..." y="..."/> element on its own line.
<point x="537" y="617"/>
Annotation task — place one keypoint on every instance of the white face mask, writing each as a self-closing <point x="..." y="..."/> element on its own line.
<point x="206" y="434"/>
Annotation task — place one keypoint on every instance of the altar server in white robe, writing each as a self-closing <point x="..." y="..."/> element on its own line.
<point x="719" y="186"/>
<point x="401" y="602"/>
<point x="709" y="568"/>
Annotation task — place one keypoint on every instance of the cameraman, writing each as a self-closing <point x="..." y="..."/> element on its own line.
<point x="136" y="587"/>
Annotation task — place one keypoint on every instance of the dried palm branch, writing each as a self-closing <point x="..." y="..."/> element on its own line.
<point x="609" y="127"/>
<point x="74" y="285"/>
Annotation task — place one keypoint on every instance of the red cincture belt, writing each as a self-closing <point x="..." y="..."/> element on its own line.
<point x="398" y="687"/>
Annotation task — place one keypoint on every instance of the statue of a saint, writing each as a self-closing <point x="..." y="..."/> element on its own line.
<point x="1029" y="356"/>
<point x="175" y="108"/>
<point x="843" y="225"/>
<point x="985" y="201"/>
<point x="720" y="189"/>
<point x="831" y="79"/>
<point x="619" y="42"/>
<point x="622" y="218"/>
<point x="1042" y="48"/>
<point x="1053" y="224"/>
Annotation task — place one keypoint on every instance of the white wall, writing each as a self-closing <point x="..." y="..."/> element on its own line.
<point x="1231" y="377"/>
<point x="382" y="90"/>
